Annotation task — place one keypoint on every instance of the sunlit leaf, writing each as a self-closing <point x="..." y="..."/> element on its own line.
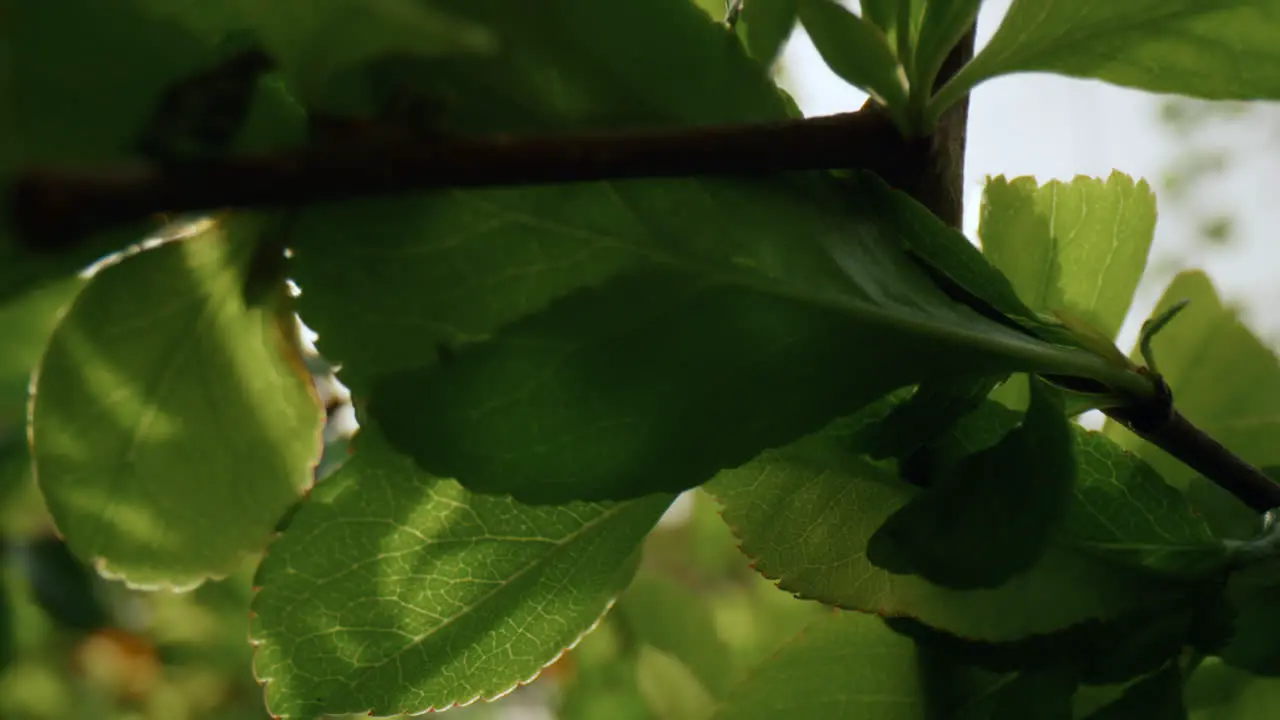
<point x="1079" y="246"/>
<point x="173" y="422"/>
<point x="398" y="592"/>
<point x="1217" y="49"/>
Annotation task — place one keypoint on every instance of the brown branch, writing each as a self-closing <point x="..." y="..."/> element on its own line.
<point x="54" y="208"/>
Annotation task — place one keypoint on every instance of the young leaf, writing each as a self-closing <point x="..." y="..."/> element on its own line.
<point x="173" y="423"/>
<point x="679" y="623"/>
<point x="767" y="25"/>
<point x="843" y="665"/>
<point x="1224" y="380"/>
<point x="1216" y="49"/>
<point x="991" y="517"/>
<point x="1079" y="246"/>
<point x="805" y="512"/>
<point x="397" y="592"/>
<point x="856" y="50"/>
<point x="943" y="25"/>
<point x="1126" y="512"/>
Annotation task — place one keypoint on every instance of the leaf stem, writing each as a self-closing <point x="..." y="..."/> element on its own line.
<point x="55" y="208"/>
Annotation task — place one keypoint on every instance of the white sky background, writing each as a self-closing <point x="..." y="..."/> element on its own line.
<point x="1054" y="127"/>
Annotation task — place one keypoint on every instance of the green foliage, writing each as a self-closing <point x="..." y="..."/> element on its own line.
<point x="856" y="50"/>
<point x="163" y="366"/>
<point x="383" y="579"/>
<point x="1218" y="49"/>
<point x="1078" y="247"/>
<point x="540" y="369"/>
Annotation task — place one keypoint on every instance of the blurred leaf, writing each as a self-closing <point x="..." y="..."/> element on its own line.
<point x="1125" y="512"/>
<point x="1224" y="380"/>
<point x="173" y="423"/>
<point x="1079" y="246"/>
<point x="25" y="324"/>
<point x="992" y="516"/>
<point x="8" y="641"/>
<point x="313" y="41"/>
<point x="1216" y="691"/>
<point x="805" y="512"/>
<point x="63" y="586"/>
<point x="768" y="24"/>
<point x="1189" y="47"/>
<point x="397" y="592"/>
<point x="856" y="50"/>
<point x="678" y="623"/>
<point x="1218" y="230"/>
<point x="1155" y="697"/>
<point x="843" y="665"/>
<point x="1255" y="643"/>
<point x="669" y="689"/>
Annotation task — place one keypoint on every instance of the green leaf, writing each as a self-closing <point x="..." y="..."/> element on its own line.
<point x="856" y="50"/>
<point x="398" y="592"/>
<point x="1224" y="380"/>
<point x="768" y="24"/>
<point x="1216" y="49"/>
<point x="314" y="41"/>
<point x="923" y="417"/>
<point x="1078" y="246"/>
<point x="805" y="512"/>
<point x="1157" y="696"/>
<point x="172" y="423"/>
<point x="943" y="25"/>
<point x="843" y="665"/>
<point x="1125" y="512"/>
<point x="668" y="687"/>
<point x="1217" y="691"/>
<point x="621" y="315"/>
<point x="679" y="623"/>
<point x="991" y="517"/>
<point x="1255" y="642"/>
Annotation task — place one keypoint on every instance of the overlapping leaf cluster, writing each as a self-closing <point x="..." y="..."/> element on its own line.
<point x="881" y="410"/>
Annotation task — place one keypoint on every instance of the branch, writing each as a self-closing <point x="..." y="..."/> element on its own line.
<point x="56" y="208"/>
<point x="1160" y="424"/>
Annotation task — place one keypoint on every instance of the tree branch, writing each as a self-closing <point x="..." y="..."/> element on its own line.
<point x="54" y="208"/>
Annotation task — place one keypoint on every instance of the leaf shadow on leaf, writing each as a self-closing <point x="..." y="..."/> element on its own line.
<point x="117" y="436"/>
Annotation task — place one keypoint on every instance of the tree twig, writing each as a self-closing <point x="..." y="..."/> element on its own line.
<point x="55" y="207"/>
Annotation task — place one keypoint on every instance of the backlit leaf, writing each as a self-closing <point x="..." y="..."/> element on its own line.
<point x="768" y="24"/>
<point x="1079" y="246"/>
<point x="1217" y="49"/>
<point x="1217" y="691"/>
<point x="172" y="422"/>
<point x="844" y="665"/>
<point x="1126" y="512"/>
<point x="398" y="592"/>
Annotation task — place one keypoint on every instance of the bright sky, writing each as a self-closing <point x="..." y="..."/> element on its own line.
<point x="1054" y="128"/>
